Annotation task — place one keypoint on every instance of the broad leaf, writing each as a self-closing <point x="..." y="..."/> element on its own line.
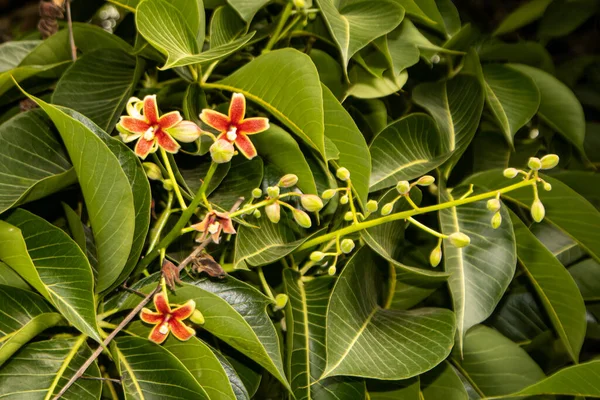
<point x="564" y="16"/>
<point x="407" y="389"/>
<point x="14" y="52"/>
<point x="522" y="52"/>
<point x="523" y="15"/>
<point x="399" y="49"/>
<point x="364" y="339"/>
<point x="8" y="277"/>
<point x="481" y="271"/>
<point x="413" y="9"/>
<point x="25" y="315"/>
<point x="442" y="382"/>
<point x="225" y="26"/>
<point x="587" y="277"/>
<point x="30" y="136"/>
<point x="243" y="176"/>
<point x="247" y="8"/>
<point x="50" y="261"/>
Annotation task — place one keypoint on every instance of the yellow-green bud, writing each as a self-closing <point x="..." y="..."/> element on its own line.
<point x="343" y="174"/>
<point x="273" y="191"/>
<point x="280" y="301"/>
<point x="311" y="202"/>
<point x="347" y="246"/>
<point x="425" y="180"/>
<point x="256" y="193"/>
<point x="372" y="205"/>
<point x="549" y="161"/>
<point x="331" y="270"/>
<point x="197" y="317"/>
<point x="288" y="180"/>
<point x="152" y="171"/>
<point x="299" y="3"/>
<point x="403" y="187"/>
<point x="387" y="208"/>
<point x="273" y="212"/>
<point x="302" y="218"/>
<point x="344" y="199"/>
<point x="329" y="193"/>
<point x="459" y="239"/>
<point x="168" y="185"/>
<point x="510" y="173"/>
<point x="547" y="186"/>
<point x="317" y="256"/>
<point x="493" y="205"/>
<point x="222" y="151"/>
<point x="496" y="220"/>
<point x="435" y="256"/>
<point x="256" y="213"/>
<point x="348" y="216"/>
<point x="538" y="212"/>
<point x="534" y="163"/>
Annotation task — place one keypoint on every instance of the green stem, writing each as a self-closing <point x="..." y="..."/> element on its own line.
<point x="405" y="214"/>
<point x="165" y="158"/>
<point x="296" y="19"/>
<point x="351" y="201"/>
<point x="161" y="223"/>
<point x="310" y="264"/>
<point x="411" y="202"/>
<point x="287" y="11"/>
<point x="209" y="71"/>
<point x="265" y="285"/>
<point x="426" y="228"/>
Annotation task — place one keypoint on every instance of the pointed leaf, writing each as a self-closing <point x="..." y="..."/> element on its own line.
<point x="587" y="277"/>
<point x="518" y="317"/>
<point x="406" y="389"/>
<point x="442" y="382"/>
<point x="247" y="8"/>
<point x="522" y="15"/>
<point x="9" y="277"/>
<point x="243" y="176"/>
<point x="225" y="26"/>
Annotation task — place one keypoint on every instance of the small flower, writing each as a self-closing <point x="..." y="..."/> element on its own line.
<point x="273" y="212"/>
<point x="151" y="130"/>
<point x="213" y="223"/>
<point x="221" y="151"/>
<point x="233" y="127"/>
<point x="168" y="320"/>
<point x="273" y="192"/>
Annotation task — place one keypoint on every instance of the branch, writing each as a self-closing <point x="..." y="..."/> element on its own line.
<point x="70" y="25"/>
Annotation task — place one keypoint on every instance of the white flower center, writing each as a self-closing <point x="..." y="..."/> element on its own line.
<point x="164" y="328"/>
<point x="149" y="134"/>
<point x="232" y="134"/>
<point x="213" y="228"/>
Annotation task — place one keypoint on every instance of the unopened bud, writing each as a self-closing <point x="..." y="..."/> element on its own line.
<point x="549" y="161"/>
<point x="344" y="199"/>
<point x="302" y="218"/>
<point x="329" y="193"/>
<point x="311" y="202"/>
<point x="152" y="171"/>
<point x="273" y="191"/>
<point x="538" y="212"/>
<point x="197" y="317"/>
<point x="256" y="193"/>
<point x="168" y="185"/>
<point x="347" y="246"/>
<point x="331" y="270"/>
<point x="403" y="187"/>
<point x="459" y="239"/>
<point x="317" y="256"/>
<point x="425" y="180"/>
<point x="493" y="205"/>
<point x="435" y="256"/>
<point x="387" y="208"/>
<point x="348" y="216"/>
<point x="299" y="3"/>
<point x="534" y="163"/>
<point x="372" y="205"/>
<point x="510" y="173"/>
<point x="496" y="220"/>
<point x="273" y="212"/>
<point x="343" y="174"/>
<point x="222" y="151"/>
<point x="288" y="180"/>
<point x="256" y="213"/>
<point x="547" y="186"/>
<point x="280" y="301"/>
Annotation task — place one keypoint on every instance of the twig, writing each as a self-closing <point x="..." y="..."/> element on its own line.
<point x="124" y="286"/>
<point x="95" y="378"/>
<point x="70" y="25"/>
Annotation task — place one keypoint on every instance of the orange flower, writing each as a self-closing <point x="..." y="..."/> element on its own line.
<point x="213" y="223"/>
<point x="167" y="320"/>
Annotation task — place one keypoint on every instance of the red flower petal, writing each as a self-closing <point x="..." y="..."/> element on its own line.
<point x="134" y="125"/>
<point x="237" y="108"/>
<point x="227" y="226"/>
<point x="151" y="109"/>
<point x="180" y="330"/>
<point x="166" y="142"/>
<point x="169" y="120"/>
<point x="162" y="303"/>
<point x="245" y="146"/>
<point x="151" y="317"/>
<point x="251" y="126"/>
<point x="144" y="147"/>
<point x="184" y="311"/>
<point x="156" y="336"/>
<point x="215" y="119"/>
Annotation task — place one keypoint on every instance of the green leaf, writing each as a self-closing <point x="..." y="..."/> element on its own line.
<point x="518" y="317"/>
<point x="26" y="315"/>
<point x="407" y="389"/>
<point x="495" y="365"/>
<point x="587" y="277"/>
<point x="356" y="23"/>
<point x="585" y="183"/>
<point x="150" y="371"/>
<point x="225" y="26"/>
<point x="481" y="271"/>
<point x="554" y="286"/>
<point x="277" y="147"/>
<point x="442" y="382"/>
<point x="12" y="53"/>
<point x="98" y="85"/>
<point x="354" y="153"/>
<point x="400" y="51"/>
<point x="414" y="10"/>
<point x="366" y="340"/>
<point x="41" y="369"/>
<point x="512" y="97"/>
<point x="286" y="83"/>
<point x="523" y="15"/>
<point x="50" y="261"/>
<point x="247" y="8"/>
<point x="406" y="149"/>
<point x="243" y="176"/>
<point x="408" y="33"/>
<point x="76" y="227"/>
<point x="523" y="52"/>
<point x="330" y="72"/>
<point x="106" y="191"/>
<point x="564" y="16"/>
<point x="306" y="319"/>
<point x="559" y="107"/>
<point x="240" y="389"/>
<point x="30" y="136"/>
<point x="9" y="277"/>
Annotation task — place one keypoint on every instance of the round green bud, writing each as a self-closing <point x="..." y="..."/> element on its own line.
<point x="547" y="187"/>
<point x="273" y="212"/>
<point x="348" y="216"/>
<point x="344" y="199"/>
<point x="534" y="163"/>
<point x="288" y="180"/>
<point x="538" y="212"/>
<point x="403" y="187"/>
<point x="280" y="301"/>
<point x="152" y="171"/>
<point x="387" y="208"/>
<point x="168" y="185"/>
<point x="493" y="205"/>
<point x="435" y="256"/>
<point x="331" y="270"/>
<point x="302" y="218"/>
<point x="222" y="151"/>
<point x="273" y="192"/>
<point x="311" y="202"/>
<point x="372" y="205"/>
<point x="343" y="174"/>
<point x="299" y="3"/>
<point x="535" y="132"/>
<point x="317" y="256"/>
<point x="256" y="193"/>
<point x="328" y="194"/>
<point x="549" y="161"/>
<point x="459" y="239"/>
<point x="425" y="180"/>
<point x="197" y="317"/>
<point x="510" y="173"/>
<point x="347" y="246"/>
<point x="496" y="220"/>
<point x="256" y="213"/>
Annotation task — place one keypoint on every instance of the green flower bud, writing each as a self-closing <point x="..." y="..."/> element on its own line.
<point x="197" y="317"/>
<point x="273" y="192"/>
<point x="331" y="270"/>
<point x="496" y="220"/>
<point x="152" y="171"/>
<point x="372" y="205"/>
<point x="547" y="187"/>
<point x="510" y="173"/>
<point x="288" y="180"/>
<point x="387" y="208"/>
<point x="459" y="239"/>
<point x="493" y="205"/>
<point x="435" y="256"/>
<point x="425" y="180"/>
<point x="168" y="185"/>
<point x="329" y="193"/>
<point x="538" y="212"/>
<point x="549" y="161"/>
<point x="299" y="3"/>
<point x="344" y="199"/>
<point x="256" y="213"/>
<point x="348" y="216"/>
<point x="311" y="202"/>
<point x="403" y="187"/>
<point x="343" y="174"/>
<point x="317" y="256"/>
<point x="347" y="246"/>
<point x="302" y="218"/>
<point x="280" y="301"/>
<point x="222" y="151"/>
<point x="273" y="212"/>
<point x="534" y="163"/>
<point x="256" y="193"/>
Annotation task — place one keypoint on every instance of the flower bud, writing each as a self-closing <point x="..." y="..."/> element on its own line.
<point x="152" y="171"/>
<point x="317" y="256"/>
<point x="302" y="218"/>
<point x="168" y="185"/>
<point x="549" y="161"/>
<point x="256" y="193"/>
<point x="425" y="180"/>
<point x="280" y="301"/>
<point x="329" y="193"/>
<point x="311" y="202"/>
<point x="459" y="239"/>
<point x="185" y="131"/>
<point x="538" y="212"/>
<point x="347" y="246"/>
<point x="343" y="174"/>
<point x="197" y="317"/>
<point x="510" y="173"/>
<point x="372" y="205"/>
<point x="344" y="199"/>
<point x="273" y="212"/>
<point x="331" y="270"/>
<point x="348" y="216"/>
<point x="256" y="213"/>
<point x="221" y="151"/>
<point x="403" y="187"/>
<point x="387" y="208"/>
<point x="288" y="180"/>
<point x="496" y="220"/>
<point x="493" y="205"/>
<point x="547" y="187"/>
<point x="435" y="256"/>
<point x="273" y="191"/>
<point x="534" y="163"/>
<point x="299" y="3"/>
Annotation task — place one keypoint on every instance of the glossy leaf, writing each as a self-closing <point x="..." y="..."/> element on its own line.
<point x="8" y="277"/>
<point x="50" y="261"/>
<point x="522" y="15"/>
<point x="14" y="52"/>
<point x="243" y="176"/>
<point x="406" y="389"/>
<point x="518" y="317"/>
<point x="225" y="26"/>
<point x="247" y="8"/>
<point x="587" y="277"/>
<point x="522" y="52"/>
<point x="563" y="17"/>
<point x="442" y="382"/>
